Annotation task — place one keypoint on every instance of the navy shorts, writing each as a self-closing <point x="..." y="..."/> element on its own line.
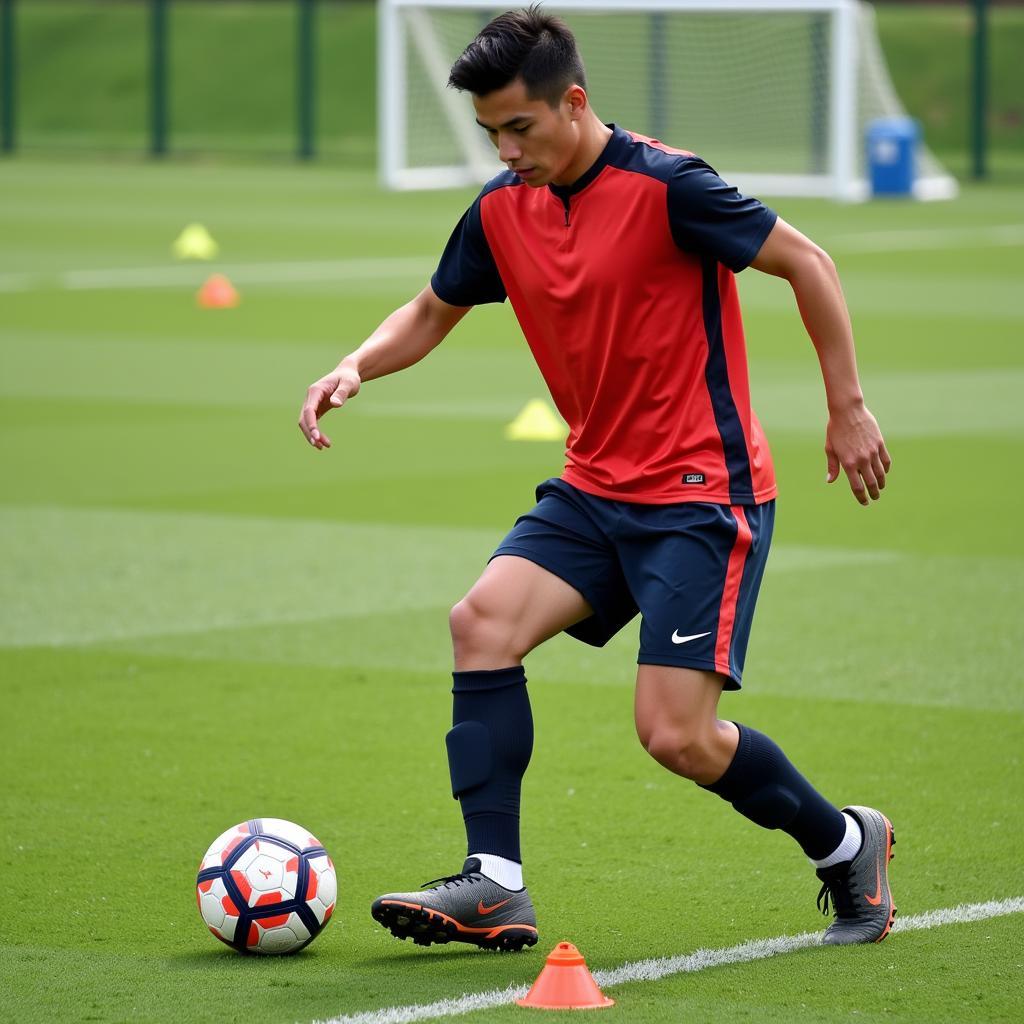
<point x="692" y="570"/>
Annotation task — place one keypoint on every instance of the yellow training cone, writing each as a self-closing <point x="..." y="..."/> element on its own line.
<point x="537" y="422"/>
<point x="195" y="243"/>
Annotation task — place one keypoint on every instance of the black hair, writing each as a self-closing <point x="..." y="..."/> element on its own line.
<point x="528" y="44"/>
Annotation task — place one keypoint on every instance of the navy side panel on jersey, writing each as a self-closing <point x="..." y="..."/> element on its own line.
<point x="716" y="374"/>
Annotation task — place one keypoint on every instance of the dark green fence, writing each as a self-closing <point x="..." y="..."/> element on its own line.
<point x="189" y="76"/>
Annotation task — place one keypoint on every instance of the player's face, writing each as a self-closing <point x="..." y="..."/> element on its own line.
<point x="539" y="142"/>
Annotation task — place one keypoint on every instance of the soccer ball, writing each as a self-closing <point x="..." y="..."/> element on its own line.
<point x="266" y="886"/>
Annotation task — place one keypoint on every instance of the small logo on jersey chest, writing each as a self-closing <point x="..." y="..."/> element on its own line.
<point x="694" y="478"/>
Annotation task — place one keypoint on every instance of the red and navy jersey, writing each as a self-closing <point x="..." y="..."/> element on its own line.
<point x="623" y="285"/>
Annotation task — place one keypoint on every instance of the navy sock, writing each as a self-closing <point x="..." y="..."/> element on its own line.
<point x="763" y="785"/>
<point x="489" y="748"/>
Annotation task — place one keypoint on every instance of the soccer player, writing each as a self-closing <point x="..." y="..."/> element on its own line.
<point x="618" y="255"/>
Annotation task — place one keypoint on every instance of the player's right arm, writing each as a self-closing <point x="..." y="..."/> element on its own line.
<point x="404" y="338"/>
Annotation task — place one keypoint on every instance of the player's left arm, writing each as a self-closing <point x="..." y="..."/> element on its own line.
<point x="853" y="440"/>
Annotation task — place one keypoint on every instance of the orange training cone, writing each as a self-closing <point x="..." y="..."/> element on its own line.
<point x="565" y="983"/>
<point x="217" y="293"/>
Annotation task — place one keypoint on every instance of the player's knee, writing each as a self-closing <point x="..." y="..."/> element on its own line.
<point x="470" y="623"/>
<point x="680" y="749"/>
<point x="477" y="629"/>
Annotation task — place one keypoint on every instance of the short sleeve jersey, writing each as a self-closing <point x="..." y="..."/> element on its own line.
<point x="623" y="284"/>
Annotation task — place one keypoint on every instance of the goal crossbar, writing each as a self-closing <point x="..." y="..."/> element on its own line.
<point x="655" y="6"/>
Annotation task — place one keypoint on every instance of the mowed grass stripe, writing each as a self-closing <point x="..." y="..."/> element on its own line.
<point x="930" y="239"/>
<point x="453" y="382"/>
<point x="80" y="576"/>
<point x="908" y="655"/>
<point x="907" y="403"/>
<point x="208" y="587"/>
<point x="916" y="290"/>
<point x="461" y="383"/>
<point x="77" y="576"/>
<point x="663" y="967"/>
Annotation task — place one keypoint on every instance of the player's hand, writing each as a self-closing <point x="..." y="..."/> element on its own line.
<point x="330" y="392"/>
<point x="854" y="443"/>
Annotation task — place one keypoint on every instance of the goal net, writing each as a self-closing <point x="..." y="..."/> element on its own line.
<point x="775" y="94"/>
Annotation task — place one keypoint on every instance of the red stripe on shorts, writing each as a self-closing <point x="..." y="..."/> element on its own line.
<point x="731" y="593"/>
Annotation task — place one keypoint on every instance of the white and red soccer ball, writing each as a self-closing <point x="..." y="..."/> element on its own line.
<point x="266" y="886"/>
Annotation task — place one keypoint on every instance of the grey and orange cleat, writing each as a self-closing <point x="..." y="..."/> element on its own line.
<point x="859" y="888"/>
<point x="467" y="907"/>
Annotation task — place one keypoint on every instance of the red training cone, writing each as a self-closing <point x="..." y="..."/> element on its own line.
<point x="565" y="983"/>
<point x="217" y="293"/>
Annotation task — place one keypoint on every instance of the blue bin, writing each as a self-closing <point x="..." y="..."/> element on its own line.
<point x="892" y="155"/>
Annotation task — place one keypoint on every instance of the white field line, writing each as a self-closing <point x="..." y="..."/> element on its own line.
<point x="363" y="269"/>
<point x="376" y="268"/>
<point x="663" y="967"/>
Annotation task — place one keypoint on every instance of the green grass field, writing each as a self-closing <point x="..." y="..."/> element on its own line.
<point x="203" y="620"/>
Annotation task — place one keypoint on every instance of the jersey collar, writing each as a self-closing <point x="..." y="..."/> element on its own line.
<point x="615" y="145"/>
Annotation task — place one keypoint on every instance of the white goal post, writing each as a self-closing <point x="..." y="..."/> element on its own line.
<point x="775" y="94"/>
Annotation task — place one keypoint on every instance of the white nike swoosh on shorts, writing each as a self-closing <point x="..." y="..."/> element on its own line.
<point x="677" y="639"/>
